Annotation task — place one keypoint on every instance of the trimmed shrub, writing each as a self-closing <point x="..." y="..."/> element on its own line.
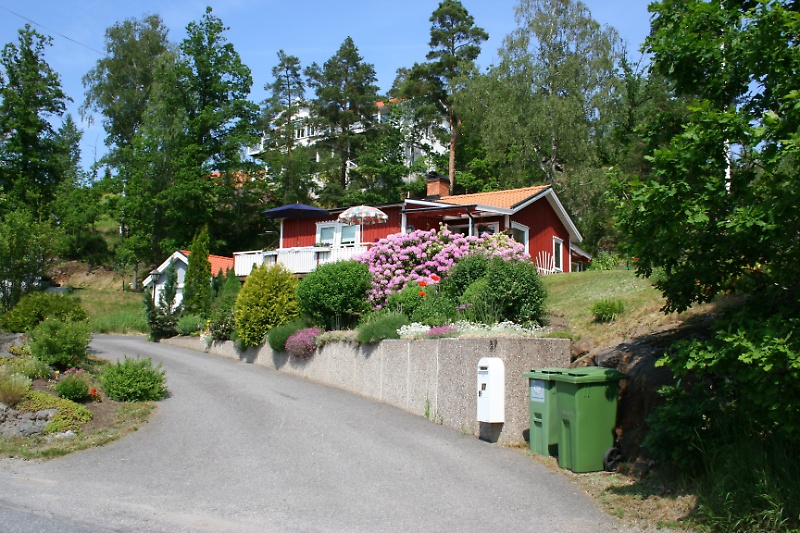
<point x="382" y="326"/>
<point x="134" y="380"/>
<point x="302" y="343"/>
<point x="335" y="294"/>
<point x="516" y="290"/>
<point x="189" y="324"/>
<point x="607" y="309"/>
<point x="70" y="414"/>
<point x="61" y="344"/>
<point x="35" y="307"/>
<point x="266" y="300"/>
<point x="221" y="322"/>
<point x="278" y="335"/>
<point x="464" y="273"/>
<point x="13" y="387"/>
<point x="73" y="387"/>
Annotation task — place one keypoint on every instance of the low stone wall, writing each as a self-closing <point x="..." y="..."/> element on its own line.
<point x="437" y="378"/>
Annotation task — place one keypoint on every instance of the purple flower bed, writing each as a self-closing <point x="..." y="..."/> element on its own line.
<point x="408" y="258"/>
<point x="302" y="342"/>
<point x="448" y="330"/>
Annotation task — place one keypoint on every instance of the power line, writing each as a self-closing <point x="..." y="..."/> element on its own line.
<point x="53" y="31"/>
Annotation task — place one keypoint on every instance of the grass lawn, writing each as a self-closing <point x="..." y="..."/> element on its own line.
<point x="570" y="298"/>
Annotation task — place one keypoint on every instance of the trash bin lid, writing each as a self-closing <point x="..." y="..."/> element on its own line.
<point x="590" y="374"/>
<point x="545" y="374"/>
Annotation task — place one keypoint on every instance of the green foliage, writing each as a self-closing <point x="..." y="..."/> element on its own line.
<point x="74" y="388"/>
<point x="478" y="305"/>
<point x="381" y="326"/>
<point x="516" y="290"/>
<point x="760" y="358"/>
<point x="134" y="380"/>
<point x="13" y="387"/>
<point x="455" y="44"/>
<point x="61" y="344"/>
<point x="433" y="309"/>
<point x="407" y="300"/>
<point x="27" y="247"/>
<point x="27" y="366"/>
<point x="749" y="482"/>
<point x="466" y="271"/>
<point x="335" y="294"/>
<point x="197" y="283"/>
<point x="221" y="322"/>
<point x="190" y="325"/>
<point x="604" y="261"/>
<point x="33" y="308"/>
<point x="721" y="205"/>
<point x="607" y="309"/>
<point x="278" y="335"/>
<point x="71" y="416"/>
<point x="266" y="300"/>
<point x="32" y="152"/>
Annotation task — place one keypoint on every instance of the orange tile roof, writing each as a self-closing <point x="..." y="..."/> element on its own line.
<point x="218" y="262"/>
<point x="503" y="199"/>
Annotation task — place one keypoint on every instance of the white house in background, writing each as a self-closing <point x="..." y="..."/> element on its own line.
<point x="306" y="134"/>
<point x="158" y="276"/>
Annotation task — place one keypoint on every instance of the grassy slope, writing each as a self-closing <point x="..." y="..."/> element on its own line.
<point x="570" y="297"/>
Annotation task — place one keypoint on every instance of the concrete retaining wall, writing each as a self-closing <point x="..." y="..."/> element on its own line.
<point x="434" y="378"/>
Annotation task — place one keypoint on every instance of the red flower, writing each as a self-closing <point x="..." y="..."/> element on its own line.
<point x="422" y="293"/>
<point x="423" y="283"/>
<point x="435" y="277"/>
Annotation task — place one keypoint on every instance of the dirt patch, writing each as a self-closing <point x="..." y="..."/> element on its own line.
<point x="84" y="276"/>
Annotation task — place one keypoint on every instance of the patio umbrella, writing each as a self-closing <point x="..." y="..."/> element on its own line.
<point x="362" y="214"/>
<point x="297" y="210"/>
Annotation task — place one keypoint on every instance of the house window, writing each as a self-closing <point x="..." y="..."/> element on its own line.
<point x="480" y="228"/>
<point x="335" y="234"/>
<point x="348" y="234"/>
<point x="520" y="232"/>
<point x="326" y="235"/>
<point x="558" y="259"/>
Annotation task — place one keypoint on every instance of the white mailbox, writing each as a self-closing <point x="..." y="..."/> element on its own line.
<point x="491" y="390"/>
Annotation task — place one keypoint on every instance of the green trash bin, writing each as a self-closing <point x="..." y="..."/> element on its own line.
<point x="587" y="413"/>
<point x="543" y="434"/>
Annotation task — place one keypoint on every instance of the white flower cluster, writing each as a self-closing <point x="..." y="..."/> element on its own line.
<point x="414" y="330"/>
<point x="472" y="329"/>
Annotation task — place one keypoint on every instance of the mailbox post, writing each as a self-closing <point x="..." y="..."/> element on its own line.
<point x="491" y="390"/>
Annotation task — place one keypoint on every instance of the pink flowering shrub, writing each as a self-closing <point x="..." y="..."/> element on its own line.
<point x="439" y="332"/>
<point x="302" y="343"/>
<point x="423" y="256"/>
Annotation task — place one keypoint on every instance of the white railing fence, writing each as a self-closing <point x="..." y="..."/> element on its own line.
<point x="301" y="260"/>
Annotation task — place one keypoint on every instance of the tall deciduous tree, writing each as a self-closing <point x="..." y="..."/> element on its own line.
<point x="723" y="204"/>
<point x="455" y="45"/>
<point x="344" y="106"/>
<point x="30" y="149"/>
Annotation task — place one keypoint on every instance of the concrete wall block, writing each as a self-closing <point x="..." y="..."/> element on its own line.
<point x="394" y="374"/>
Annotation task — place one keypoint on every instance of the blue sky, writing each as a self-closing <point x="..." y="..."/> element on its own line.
<point x="390" y="35"/>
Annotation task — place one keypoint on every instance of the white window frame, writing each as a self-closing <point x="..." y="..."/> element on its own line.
<point x="457" y="228"/>
<point x="337" y="234"/>
<point x="525" y="230"/>
<point x="558" y="258"/>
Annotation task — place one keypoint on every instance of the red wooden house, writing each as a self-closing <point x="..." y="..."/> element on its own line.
<point x="532" y="215"/>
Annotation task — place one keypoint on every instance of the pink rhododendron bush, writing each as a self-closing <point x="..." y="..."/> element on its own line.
<point x="423" y="256"/>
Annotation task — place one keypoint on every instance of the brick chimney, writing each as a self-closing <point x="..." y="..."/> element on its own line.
<point x="438" y="186"/>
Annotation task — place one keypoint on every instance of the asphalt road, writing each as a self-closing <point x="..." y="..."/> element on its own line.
<point x="240" y="448"/>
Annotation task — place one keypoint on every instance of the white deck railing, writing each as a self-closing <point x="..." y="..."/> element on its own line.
<point x="301" y="260"/>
